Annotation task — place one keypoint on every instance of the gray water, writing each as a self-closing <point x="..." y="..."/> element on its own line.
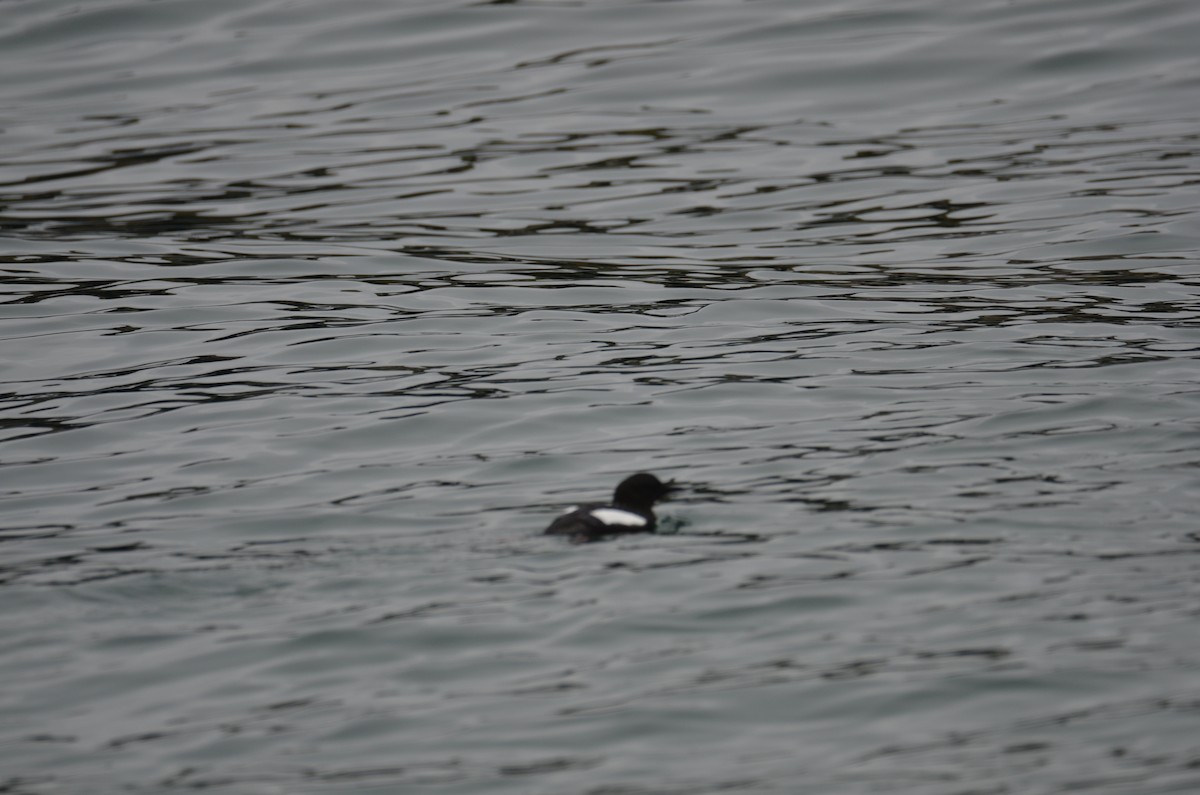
<point x="314" y="314"/>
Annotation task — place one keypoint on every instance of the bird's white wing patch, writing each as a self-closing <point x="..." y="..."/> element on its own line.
<point x="572" y="509"/>
<point x="617" y="516"/>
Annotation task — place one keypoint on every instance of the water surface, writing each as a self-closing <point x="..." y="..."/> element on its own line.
<point x="312" y="320"/>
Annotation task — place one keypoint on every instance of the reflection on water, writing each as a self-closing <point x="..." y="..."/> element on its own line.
<point x="312" y="320"/>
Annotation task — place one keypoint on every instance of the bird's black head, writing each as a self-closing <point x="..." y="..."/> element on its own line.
<point x="641" y="490"/>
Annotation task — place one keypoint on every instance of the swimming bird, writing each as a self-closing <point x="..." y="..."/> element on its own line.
<point x="631" y="511"/>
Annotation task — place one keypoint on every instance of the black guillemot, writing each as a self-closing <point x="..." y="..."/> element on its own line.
<point x="631" y="511"/>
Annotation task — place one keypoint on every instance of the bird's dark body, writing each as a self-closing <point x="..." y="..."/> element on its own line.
<point x="582" y="524"/>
